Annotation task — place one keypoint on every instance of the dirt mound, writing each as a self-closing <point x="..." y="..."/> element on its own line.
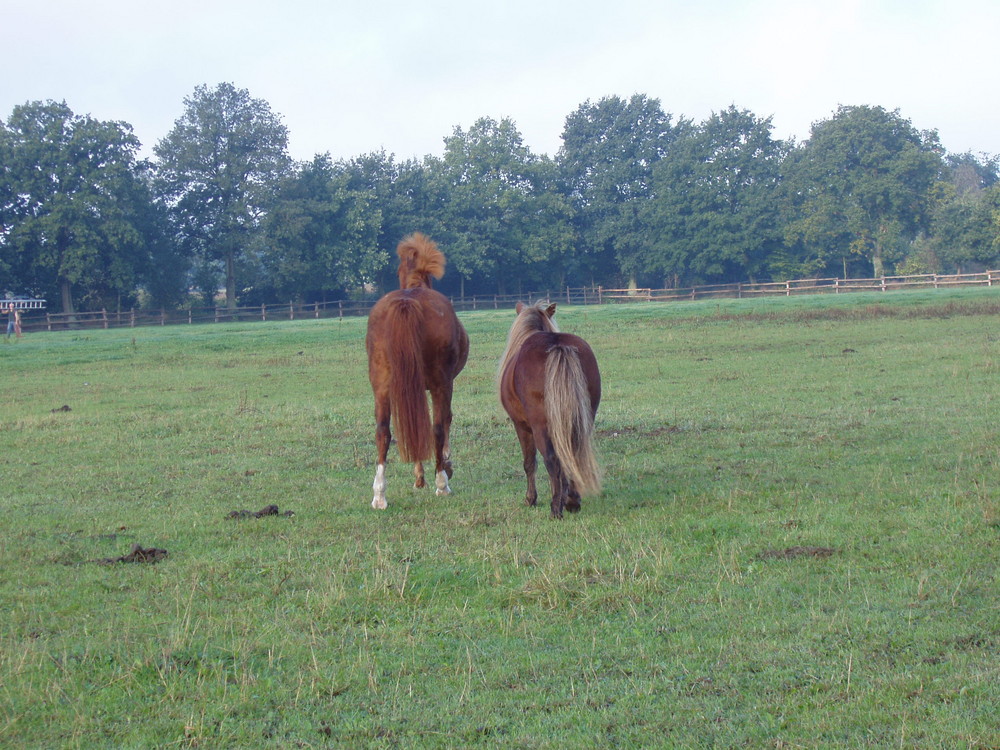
<point x="267" y="510"/>
<point x="139" y="554"/>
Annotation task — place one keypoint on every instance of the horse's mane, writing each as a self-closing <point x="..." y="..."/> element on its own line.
<point x="419" y="259"/>
<point x="530" y="320"/>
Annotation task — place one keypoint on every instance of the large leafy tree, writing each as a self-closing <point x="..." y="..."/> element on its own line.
<point x="77" y="220"/>
<point x="861" y="186"/>
<point x="991" y="203"/>
<point x="400" y="192"/>
<point x="960" y="232"/>
<point x="490" y="185"/>
<point x="217" y="171"/>
<point x="713" y="214"/>
<point x="607" y="158"/>
<point x="321" y="234"/>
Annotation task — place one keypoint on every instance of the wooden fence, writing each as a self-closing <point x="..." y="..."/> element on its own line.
<point x="34" y="320"/>
<point x="804" y="286"/>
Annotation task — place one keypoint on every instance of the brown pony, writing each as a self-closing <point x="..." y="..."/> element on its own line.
<point x="550" y="386"/>
<point x="415" y="344"/>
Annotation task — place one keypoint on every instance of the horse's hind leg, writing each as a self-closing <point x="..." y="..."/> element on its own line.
<point x="383" y="436"/>
<point x="441" y="399"/>
<point x="418" y="475"/>
<point x="560" y="485"/>
<point x="529" y="454"/>
<point x="573" y="499"/>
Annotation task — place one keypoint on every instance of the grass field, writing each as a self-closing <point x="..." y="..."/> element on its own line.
<point x="797" y="544"/>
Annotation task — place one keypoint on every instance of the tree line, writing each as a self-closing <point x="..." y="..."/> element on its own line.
<point x="634" y="196"/>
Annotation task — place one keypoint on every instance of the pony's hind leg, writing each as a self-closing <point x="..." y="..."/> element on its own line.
<point x="383" y="436"/>
<point x="529" y="454"/>
<point x="557" y="478"/>
<point x="573" y="499"/>
<point x="378" y="487"/>
<point x="442" y="447"/>
<point x="418" y="475"/>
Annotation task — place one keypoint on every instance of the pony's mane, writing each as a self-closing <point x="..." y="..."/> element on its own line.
<point x="419" y="259"/>
<point x="530" y="320"/>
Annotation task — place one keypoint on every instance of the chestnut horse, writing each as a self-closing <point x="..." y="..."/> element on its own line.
<point x="550" y="386"/>
<point x="415" y="344"/>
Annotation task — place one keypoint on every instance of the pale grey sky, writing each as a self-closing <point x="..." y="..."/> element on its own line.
<point x="352" y="78"/>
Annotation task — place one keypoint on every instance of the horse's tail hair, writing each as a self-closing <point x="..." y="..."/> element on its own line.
<point x="571" y="418"/>
<point x="419" y="258"/>
<point x="410" y="414"/>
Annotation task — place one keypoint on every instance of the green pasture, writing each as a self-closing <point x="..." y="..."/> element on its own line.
<point x="797" y="544"/>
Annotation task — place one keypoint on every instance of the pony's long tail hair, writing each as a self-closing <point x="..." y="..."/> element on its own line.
<point x="571" y="418"/>
<point x="410" y="414"/>
<point x="419" y="259"/>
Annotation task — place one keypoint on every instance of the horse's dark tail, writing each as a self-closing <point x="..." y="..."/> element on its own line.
<point x="407" y="390"/>
<point x="571" y="418"/>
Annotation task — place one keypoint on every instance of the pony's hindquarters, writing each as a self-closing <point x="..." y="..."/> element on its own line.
<point x="569" y="412"/>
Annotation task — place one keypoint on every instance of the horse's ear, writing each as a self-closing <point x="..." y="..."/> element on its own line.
<point x="518" y="307"/>
<point x="550" y="310"/>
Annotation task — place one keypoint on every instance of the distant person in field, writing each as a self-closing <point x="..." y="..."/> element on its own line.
<point x="17" y="323"/>
<point x="11" y="320"/>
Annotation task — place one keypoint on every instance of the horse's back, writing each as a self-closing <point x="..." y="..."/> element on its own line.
<point x="445" y="341"/>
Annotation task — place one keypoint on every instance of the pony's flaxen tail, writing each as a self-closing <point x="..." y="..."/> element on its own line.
<point x="571" y="418"/>
<point x="410" y="415"/>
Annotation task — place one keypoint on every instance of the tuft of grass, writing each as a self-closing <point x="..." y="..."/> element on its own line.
<point x="796" y="544"/>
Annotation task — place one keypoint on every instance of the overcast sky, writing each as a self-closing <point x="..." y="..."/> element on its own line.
<point x="352" y="78"/>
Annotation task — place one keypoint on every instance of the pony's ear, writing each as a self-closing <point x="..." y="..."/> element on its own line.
<point x="551" y="310"/>
<point x="518" y="307"/>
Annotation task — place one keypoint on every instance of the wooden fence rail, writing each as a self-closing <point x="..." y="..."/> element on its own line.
<point x="803" y="286"/>
<point x="34" y="320"/>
